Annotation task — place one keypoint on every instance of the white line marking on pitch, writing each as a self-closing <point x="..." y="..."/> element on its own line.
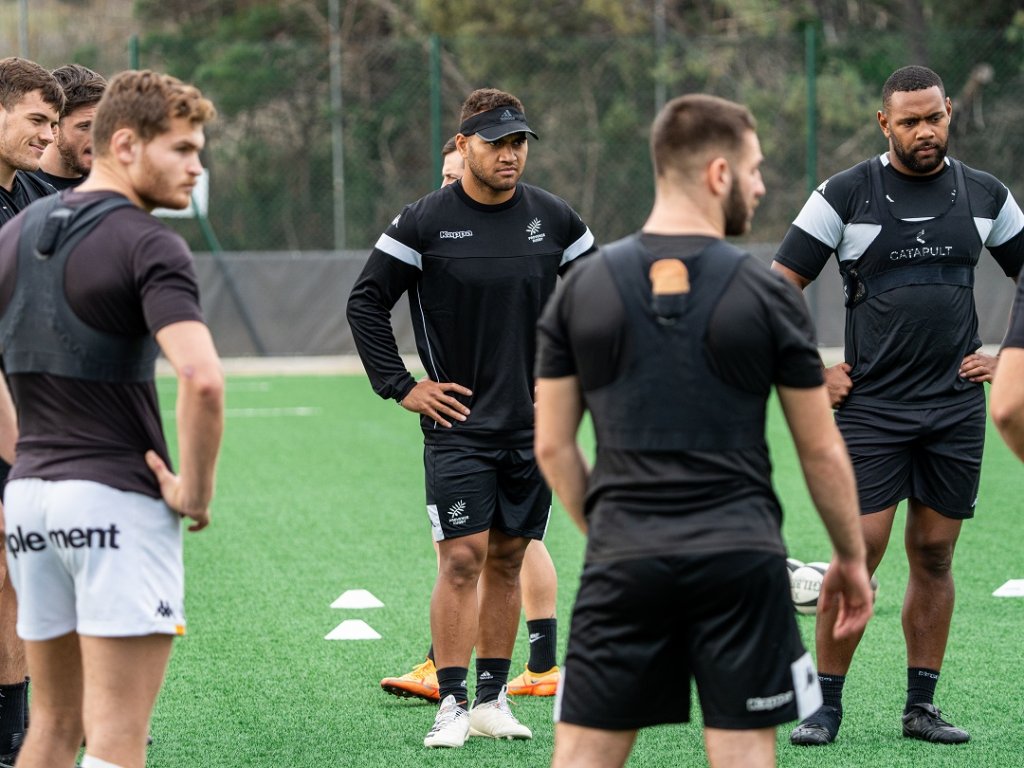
<point x="248" y="413"/>
<point x="357" y="598"/>
<point x="352" y="629"/>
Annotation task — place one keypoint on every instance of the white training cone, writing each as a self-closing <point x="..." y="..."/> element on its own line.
<point x="357" y="598"/>
<point x="353" y="629"/>
<point x="1012" y="588"/>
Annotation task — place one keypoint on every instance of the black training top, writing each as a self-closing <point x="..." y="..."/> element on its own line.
<point x="59" y="183"/>
<point x="477" y="277"/>
<point x="1015" y="334"/>
<point x="758" y="333"/>
<point x="25" y="189"/>
<point x="130" y="276"/>
<point x="910" y="245"/>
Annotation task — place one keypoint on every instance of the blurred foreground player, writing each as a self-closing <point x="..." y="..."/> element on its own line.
<point x="673" y="339"/>
<point x="94" y="538"/>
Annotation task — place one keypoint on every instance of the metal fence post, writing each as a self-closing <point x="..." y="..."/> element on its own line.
<point x="435" y="106"/>
<point x="337" y="134"/>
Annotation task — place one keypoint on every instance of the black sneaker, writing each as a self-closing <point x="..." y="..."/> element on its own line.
<point x="7" y="761"/>
<point x="818" y="729"/>
<point x="924" y="722"/>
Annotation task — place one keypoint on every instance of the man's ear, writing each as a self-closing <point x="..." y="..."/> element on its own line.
<point x="125" y="145"/>
<point x="718" y="176"/>
<point x="462" y="144"/>
<point x="883" y="123"/>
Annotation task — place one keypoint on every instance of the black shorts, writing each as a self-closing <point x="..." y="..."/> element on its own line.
<point x="642" y="629"/>
<point x="929" y="454"/>
<point x="473" y="489"/>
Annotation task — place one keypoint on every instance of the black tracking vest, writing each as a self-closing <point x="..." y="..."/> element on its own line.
<point x="914" y="252"/>
<point x="666" y="397"/>
<point x="39" y="332"/>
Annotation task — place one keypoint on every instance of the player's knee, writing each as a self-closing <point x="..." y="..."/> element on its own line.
<point x="59" y="727"/>
<point x="933" y="558"/>
<point x="461" y="566"/>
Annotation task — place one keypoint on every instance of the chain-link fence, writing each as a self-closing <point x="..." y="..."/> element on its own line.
<point x="592" y="102"/>
<point x="275" y="182"/>
<point x="287" y="169"/>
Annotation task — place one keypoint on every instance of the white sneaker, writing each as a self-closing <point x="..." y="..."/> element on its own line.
<point x="451" y="726"/>
<point x="496" y="721"/>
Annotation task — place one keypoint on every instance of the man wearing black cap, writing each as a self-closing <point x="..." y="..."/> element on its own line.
<point x="478" y="259"/>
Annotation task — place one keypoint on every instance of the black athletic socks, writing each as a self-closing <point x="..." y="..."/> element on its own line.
<point x="920" y="686"/>
<point x="12" y="717"/>
<point x="491" y="677"/>
<point x="832" y="690"/>
<point x="452" y="681"/>
<point x="430" y="652"/>
<point x="543" y="635"/>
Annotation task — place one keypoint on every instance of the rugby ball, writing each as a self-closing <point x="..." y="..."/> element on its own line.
<point x="805" y="586"/>
<point x="792" y="563"/>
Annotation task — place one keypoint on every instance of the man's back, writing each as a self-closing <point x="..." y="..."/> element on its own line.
<point x="129" y="277"/>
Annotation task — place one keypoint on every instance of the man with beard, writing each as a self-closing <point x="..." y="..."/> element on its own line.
<point x="673" y="340"/>
<point x="907" y="228"/>
<point x="479" y="259"/>
<point x="66" y="162"/>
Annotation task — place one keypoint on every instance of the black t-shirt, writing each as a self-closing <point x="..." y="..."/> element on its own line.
<point x="905" y="345"/>
<point x="25" y="189"/>
<point x="659" y="502"/>
<point x="131" y="275"/>
<point x="58" y="182"/>
<point x="477" y="277"/>
<point x="1015" y="334"/>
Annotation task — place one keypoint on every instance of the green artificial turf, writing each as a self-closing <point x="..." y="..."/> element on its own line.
<point x="320" y="491"/>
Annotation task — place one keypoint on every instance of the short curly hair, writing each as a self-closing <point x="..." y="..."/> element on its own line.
<point x="146" y="102"/>
<point x="912" y="78"/>
<point x="486" y="99"/>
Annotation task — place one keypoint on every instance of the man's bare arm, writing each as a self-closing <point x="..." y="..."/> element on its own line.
<point x="558" y="413"/>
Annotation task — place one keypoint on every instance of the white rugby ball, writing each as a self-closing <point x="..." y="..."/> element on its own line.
<point x="805" y="586"/>
<point x="792" y="563"/>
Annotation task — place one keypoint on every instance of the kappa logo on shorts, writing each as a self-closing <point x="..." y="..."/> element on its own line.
<point x="533" y="233"/>
<point x="455" y="513"/>
<point x="759" y="704"/>
<point x="163" y="609"/>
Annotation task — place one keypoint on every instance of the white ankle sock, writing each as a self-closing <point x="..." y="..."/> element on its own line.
<point x="89" y="761"/>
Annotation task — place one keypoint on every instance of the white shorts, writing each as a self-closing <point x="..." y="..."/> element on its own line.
<point x="89" y="558"/>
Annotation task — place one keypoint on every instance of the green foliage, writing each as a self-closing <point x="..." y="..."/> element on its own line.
<point x="590" y="74"/>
